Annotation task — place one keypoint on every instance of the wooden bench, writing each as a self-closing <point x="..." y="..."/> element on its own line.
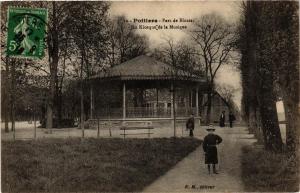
<point x="136" y="125"/>
<point x="106" y="124"/>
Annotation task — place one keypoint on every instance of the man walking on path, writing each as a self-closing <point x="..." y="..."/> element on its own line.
<point x="190" y="125"/>
<point x="210" y="143"/>
<point x="231" y="119"/>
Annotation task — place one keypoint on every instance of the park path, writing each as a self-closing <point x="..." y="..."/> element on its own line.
<point x="192" y="171"/>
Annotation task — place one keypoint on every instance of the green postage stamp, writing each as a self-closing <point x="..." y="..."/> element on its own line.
<point x="26" y="32"/>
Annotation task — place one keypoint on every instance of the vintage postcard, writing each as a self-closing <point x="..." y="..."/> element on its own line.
<point x="150" y="96"/>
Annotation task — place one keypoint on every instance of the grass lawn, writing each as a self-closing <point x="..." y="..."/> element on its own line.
<point x="102" y="165"/>
<point x="264" y="171"/>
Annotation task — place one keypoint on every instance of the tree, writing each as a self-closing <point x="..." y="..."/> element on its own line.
<point x="182" y="62"/>
<point x="172" y="58"/>
<point x="64" y="71"/>
<point x="227" y="92"/>
<point x="124" y="42"/>
<point x="13" y="70"/>
<point x="55" y="25"/>
<point x="214" y="37"/>
<point x="284" y="56"/>
<point x="258" y="45"/>
<point x="246" y="44"/>
<point x="4" y="99"/>
<point x="86" y="26"/>
<point x="266" y="82"/>
<point x="5" y="89"/>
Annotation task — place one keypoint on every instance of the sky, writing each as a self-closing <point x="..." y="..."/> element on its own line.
<point x="171" y="10"/>
<point x="188" y="10"/>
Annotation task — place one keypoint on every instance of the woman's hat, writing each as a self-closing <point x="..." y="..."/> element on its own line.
<point x="210" y="128"/>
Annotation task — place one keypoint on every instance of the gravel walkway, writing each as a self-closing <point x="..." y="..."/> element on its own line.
<point x="191" y="175"/>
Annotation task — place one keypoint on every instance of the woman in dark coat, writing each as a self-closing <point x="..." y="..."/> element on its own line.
<point x="222" y="119"/>
<point x="210" y="148"/>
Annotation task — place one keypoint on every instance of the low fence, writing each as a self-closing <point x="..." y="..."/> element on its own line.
<point x="144" y="112"/>
<point x="94" y="128"/>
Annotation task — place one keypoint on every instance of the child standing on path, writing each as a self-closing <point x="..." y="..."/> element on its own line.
<point x="210" y="143"/>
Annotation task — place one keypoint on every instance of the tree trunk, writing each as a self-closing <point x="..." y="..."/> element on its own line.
<point x="6" y="120"/>
<point x="81" y="102"/>
<point x="59" y="104"/>
<point x="209" y="103"/>
<point x="49" y="121"/>
<point x="245" y="104"/>
<point x="12" y="95"/>
<point x="53" y="60"/>
<point x="255" y="123"/>
<point x="113" y="54"/>
<point x="174" y="111"/>
<point x="6" y="96"/>
<point x="289" y="82"/>
<point x="81" y="89"/>
<point x="173" y="107"/>
<point x="81" y="108"/>
<point x="56" y="102"/>
<point x="252" y="120"/>
<point x="252" y="84"/>
<point x="59" y="108"/>
<point x="291" y="110"/>
<point x="269" y="118"/>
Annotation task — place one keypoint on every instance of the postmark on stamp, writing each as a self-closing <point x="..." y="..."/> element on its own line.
<point x="26" y="32"/>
